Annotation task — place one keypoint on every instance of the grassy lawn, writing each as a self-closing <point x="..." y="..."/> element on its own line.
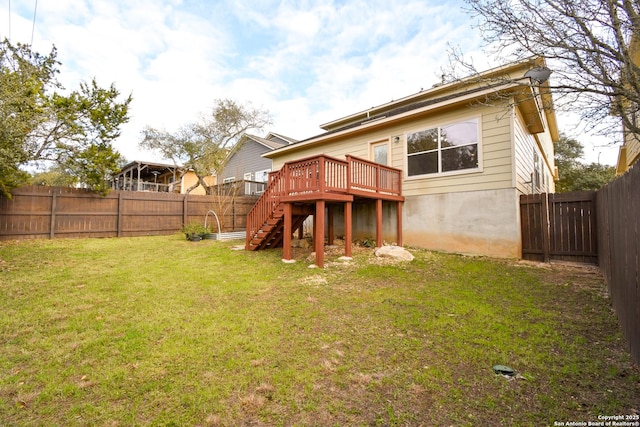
<point x="161" y="331"/>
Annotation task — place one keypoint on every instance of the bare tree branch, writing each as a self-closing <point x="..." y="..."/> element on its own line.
<point x="202" y="146"/>
<point x="589" y="44"/>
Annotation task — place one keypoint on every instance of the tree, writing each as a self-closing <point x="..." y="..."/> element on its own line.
<point x="574" y="175"/>
<point x="39" y="124"/>
<point x="202" y="146"/>
<point x="55" y="176"/>
<point x="592" y="46"/>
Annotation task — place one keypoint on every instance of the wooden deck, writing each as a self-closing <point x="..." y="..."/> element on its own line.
<point x="301" y="188"/>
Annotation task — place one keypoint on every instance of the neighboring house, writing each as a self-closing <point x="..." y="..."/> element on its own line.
<point x="629" y="152"/>
<point x="630" y="149"/>
<point x="245" y="162"/>
<point x="466" y="151"/>
<point x="189" y="179"/>
<point x="148" y="176"/>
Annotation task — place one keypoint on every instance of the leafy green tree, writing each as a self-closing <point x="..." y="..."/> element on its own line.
<point x="55" y="176"/>
<point x="202" y="146"/>
<point x="575" y="175"/>
<point x="39" y="124"/>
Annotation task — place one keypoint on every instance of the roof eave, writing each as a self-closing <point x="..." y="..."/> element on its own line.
<point x="463" y="98"/>
<point x="434" y="91"/>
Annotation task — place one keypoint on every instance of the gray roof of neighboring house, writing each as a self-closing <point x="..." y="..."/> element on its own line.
<point x="272" y="140"/>
<point x="279" y="137"/>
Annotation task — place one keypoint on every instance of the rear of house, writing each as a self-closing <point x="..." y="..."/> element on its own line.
<point x="467" y="150"/>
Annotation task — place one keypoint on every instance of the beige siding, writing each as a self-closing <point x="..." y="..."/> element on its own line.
<point x="526" y="144"/>
<point x="633" y="148"/>
<point x="495" y="152"/>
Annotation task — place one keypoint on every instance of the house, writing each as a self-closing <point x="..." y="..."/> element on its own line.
<point x="146" y="176"/>
<point x="630" y="150"/>
<point x="149" y="176"/>
<point x="462" y="153"/>
<point x="245" y="162"/>
<point x="189" y="178"/>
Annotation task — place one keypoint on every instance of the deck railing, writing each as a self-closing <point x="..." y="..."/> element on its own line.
<point x="315" y="175"/>
<point x="309" y="178"/>
<point x="370" y="177"/>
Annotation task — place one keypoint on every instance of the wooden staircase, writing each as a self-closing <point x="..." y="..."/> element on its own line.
<point x="265" y="221"/>
<point x="270" y="234"/>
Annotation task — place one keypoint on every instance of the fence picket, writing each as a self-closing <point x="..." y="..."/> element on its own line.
<point x="618" y="204"/>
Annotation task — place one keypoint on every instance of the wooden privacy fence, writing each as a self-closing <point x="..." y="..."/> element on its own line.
<point x="559" y="227"/>
<point x="49" y="212"/>
<point x="618" y="207"/>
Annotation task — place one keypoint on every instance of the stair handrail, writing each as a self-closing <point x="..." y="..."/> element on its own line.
<point x="266" y="204"/>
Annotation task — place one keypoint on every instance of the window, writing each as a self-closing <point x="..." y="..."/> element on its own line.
<point x="536" y="169"/>
<point x="247" y="183"/>
<point x="263" y="175"/>
<point x="228" y="180"/>
<point x="449" y="148"/>
<point x="380" y="153"/>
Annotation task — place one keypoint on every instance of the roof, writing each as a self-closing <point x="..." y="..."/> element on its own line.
<point x="480" y="86"/>
<point x="148" y="165"/>
<point x="272" y="143"/>
<point x="286" y="139"/>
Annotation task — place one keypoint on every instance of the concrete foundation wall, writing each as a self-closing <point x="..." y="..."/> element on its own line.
<point x="483" y="223"/>
<point x="479" y="222"/>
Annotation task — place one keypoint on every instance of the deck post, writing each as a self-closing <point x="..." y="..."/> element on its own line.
<point x="330" y="235"/>
<point x="348" y="230"/>
<point x="286" y="238"/>
<point x="313" y="229"/>
<point x="399" y="223"/>
<point x="378" y="223"/>
<point x="318" y="240"/>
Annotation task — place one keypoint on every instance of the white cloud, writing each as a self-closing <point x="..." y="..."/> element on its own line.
<point x="308" y="62"/>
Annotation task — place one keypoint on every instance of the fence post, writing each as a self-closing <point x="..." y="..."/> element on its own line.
<point x="546" y="239"/>
<point x="120" y="209"/>
<point x="52" y="224"/>
<point x="184" y="210"/>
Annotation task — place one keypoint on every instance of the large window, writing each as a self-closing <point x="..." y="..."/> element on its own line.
<point x="449" y="148"/>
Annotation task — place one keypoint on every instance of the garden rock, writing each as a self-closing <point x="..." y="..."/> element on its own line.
<point x="300" y="243"/>
<point x="395" y="252"/>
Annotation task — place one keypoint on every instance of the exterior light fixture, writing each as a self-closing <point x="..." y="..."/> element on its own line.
<point x="538" y="75"/>
<point x="396" y="139"/>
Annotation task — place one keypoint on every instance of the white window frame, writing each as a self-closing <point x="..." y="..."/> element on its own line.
<point x="264" y="173"/>
<point x="439" y="174"/>
<point x="537" y="170"/>
<point x="247" y="185"/>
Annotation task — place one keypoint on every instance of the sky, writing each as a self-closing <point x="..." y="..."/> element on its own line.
<point x="306" y="62"/>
